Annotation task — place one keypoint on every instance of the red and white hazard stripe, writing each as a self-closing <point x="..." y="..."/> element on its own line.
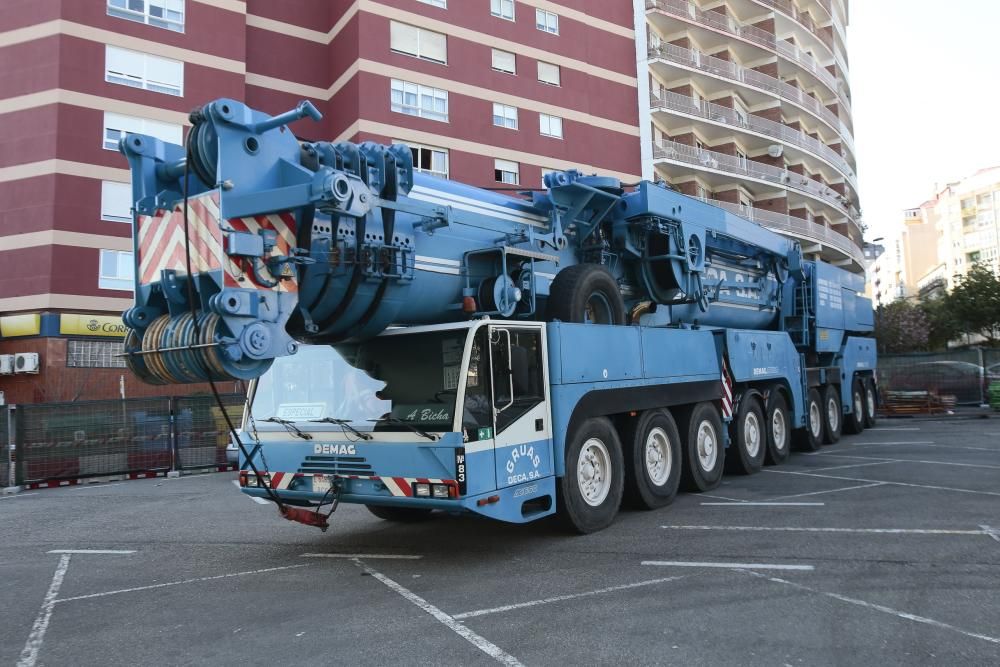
<point x="397" y="486"/>
<point x="727" y="391"/>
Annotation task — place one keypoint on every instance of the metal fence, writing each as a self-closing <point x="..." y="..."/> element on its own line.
<point x="56" y="441"/>
<point x="942" y="379"/>
<point x="5" y="467"/>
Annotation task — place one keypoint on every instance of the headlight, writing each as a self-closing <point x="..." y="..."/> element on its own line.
<point x="422" y="490"/>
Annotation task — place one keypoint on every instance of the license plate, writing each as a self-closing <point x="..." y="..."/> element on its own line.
<point x="321" y="483"/>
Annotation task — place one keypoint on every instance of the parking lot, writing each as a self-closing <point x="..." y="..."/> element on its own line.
<point x="884" y="548"/>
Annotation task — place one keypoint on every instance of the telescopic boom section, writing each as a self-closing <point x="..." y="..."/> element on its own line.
<point x="248" y="242"/>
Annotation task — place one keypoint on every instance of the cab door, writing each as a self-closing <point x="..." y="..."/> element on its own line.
<point x="522" y="421"/>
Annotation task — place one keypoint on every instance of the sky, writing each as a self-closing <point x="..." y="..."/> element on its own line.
<point x="926" y="99"/>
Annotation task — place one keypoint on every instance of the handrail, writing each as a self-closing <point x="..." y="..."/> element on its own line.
<point x="805" y="20"/>
<point x="672" y="101"/>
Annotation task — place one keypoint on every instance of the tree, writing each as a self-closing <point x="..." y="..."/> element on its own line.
<point x="943" y="327"/>
<point x="975" y="304"/>
<point x="901" y="326"/>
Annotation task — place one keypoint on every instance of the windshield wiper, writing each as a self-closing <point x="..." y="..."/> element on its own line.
<point x="344" y="424"/>
<point x="289" y="426"/>
<point x="397" y="420"/>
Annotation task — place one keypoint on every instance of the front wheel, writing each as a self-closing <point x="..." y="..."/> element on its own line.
<point x="653" y="460"/>
<point x="704" y="456"/>
<point x="590" y="492"/>
<point x="400" y="514"/>
<point x="833" y="413"/>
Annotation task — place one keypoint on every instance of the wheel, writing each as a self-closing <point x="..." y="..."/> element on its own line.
<point x="855" y="422"/>
<point x="778" y="428"/>
<point x="591" y="490"/>
<point x="748" y="439"/>
<point x="400" y="514"/>
<point x="652" y="460"/>
<point x="586" y="293"/>
<point x="871" y="403"/>
<point x="833" y="414"/>
<point x="704" y="456"/>
<point x="810" y="438"/>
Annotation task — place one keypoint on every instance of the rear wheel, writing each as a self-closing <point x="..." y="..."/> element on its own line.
<point x="400" y="514"/>
<point x="652" y="460"/>
<point x="871" y="403"/>
<point x="779" y="434"/>
<point x="704" y="456"/>
<point x="591" y="490"/>
<point x="833" y="414"/>
<point x="748" y="438"/>
<point x="855" y="422"/>
<point x="810" y="438"/>
<point x="586" y="293"/>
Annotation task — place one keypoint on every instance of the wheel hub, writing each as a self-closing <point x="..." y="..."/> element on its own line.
<point x="659" y="459"/>
<point x="706" y="446"/>
<point x="832" y="414"/>
<point x="814" y="419"/>
<point x="778" y="429"/>
<point x="594" y="472"/>
<point x="751" y="434"/>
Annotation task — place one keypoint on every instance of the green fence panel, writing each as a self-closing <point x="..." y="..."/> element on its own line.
<point x="202" y="430"/>
<point x="955" y="376"/>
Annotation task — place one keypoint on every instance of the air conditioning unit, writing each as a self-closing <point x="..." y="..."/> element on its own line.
<point x="6" y="364"/>
<point x="26" y="362"/>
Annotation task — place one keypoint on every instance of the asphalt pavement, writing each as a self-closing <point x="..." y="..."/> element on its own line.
<point x="883" y="549"/>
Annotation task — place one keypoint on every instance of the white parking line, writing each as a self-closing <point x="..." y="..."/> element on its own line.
<point x="179" y="583"/>
<point x="878" y="460"/>
<point x="908" y="484"/>
<point x="562" y="598"/>
<point x="764" y="504"/>
<point x="709" y="495"/>
<point x="819" y="493"/>
<point x="259" y="501"/>
<point x="730" y="566"/>
<point x="355" y="556"/>
<point x="926" y="444"/>
<point x="992" y="532"/>
<point x="15" y="496"/>
<point x="895" y="442"/>
<point x="92" y="551"/>
<point x="29" y="654"/>
<point x="480" y="642"/>
<point x="799" y="529"/>
<point x="909" y="428"/>
<point x="852" y="465"/>
<point x="877" y="607"/>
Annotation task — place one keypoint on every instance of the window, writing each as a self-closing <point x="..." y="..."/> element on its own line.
<point x="416" y="100"/>
<point x="116" y="125"/>
<point x="548" y="73"/>
<point x="550" y="126"/>
<point x="505" y="116"/>
<point x="414" y="41"/>
<point x="504" y="61"/>
<point x="742" y="157"/>
<point x="430" y="160"/>
<point x="142" y="70"/>
<point x="117" y="270"/>
<point x="502" y="8"/>
<point x="506" y="172"/>
<point x="518" y="350"/>
<point x="94" y="354"/>
<point x="116" y="201"/>
<point x="443" y="4"/>
<point x="741" y="111"/>
<point x="167" y="14"/>
<point x="547" y="21"/>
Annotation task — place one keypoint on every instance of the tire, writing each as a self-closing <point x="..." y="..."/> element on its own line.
<point x="590" y="492"/>
<point x="586" y="293"/>
<point x="702" y="428"/>
<point x="810" y="438"/>
<point x="854" y="423"/>
<point x="652" y="460"/>
<point x="779" y="432"/>
<point x="400" y="514"/>
<point x="833" y="414"/>
<point x="871" y="403"/>
<point x="748" y="439"/>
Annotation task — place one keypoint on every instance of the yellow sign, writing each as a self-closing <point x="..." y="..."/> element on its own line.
<point x="29" y="324"/>
<point x="78" y="324"/>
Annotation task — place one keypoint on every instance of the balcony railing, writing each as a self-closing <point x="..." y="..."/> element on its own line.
<point x="789" y="10"/>
<point x="690" y="12"/>
<point x="706" y="159"/>
<point x="671" y="101"/>
<point x="751" y="77"/>
<point x="798" y="226"/>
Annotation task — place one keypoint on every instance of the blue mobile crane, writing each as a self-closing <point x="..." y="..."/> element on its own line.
<point x="416" y="344"/>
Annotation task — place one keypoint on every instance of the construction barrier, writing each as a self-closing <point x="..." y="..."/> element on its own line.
<point x="65" y="442"/>
<point x="5" y="454"/>
<point x="937" y="381"/>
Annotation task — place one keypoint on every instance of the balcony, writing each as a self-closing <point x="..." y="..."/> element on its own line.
<point x="799" y="227"/>
<point x="675" y="102"/>
<point x="750" y="77"/>
<point x="789" y="10"/>
<point x="731" y="164"/>
<point x="688" y="11"/>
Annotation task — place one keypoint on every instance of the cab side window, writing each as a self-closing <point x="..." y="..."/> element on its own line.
<point x="517" y="374"/>
<point x="477" y="409"/>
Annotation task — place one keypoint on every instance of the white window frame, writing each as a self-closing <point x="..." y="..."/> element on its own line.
<point x="497" y="9"/>
<point x="432" y="149"/>
<point x="558" y="71"/>
<point x="547" y="125"/>
<point x="122" y="258"/>
<point x="547" y="21"/>
<point x="139" y="76"/>
<point x="119" y="124"/>
<point x="500" y="68"/>
<point x="510" y="172"/>
<point x="506" y="114"/>
<point x="422" y="34"/>
<point x="123" y="9"/>
<point x="111" y="198"/>
<point x="404" y="88"/>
